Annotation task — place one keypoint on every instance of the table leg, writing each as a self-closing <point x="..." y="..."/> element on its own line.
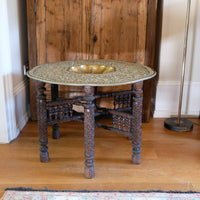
<point x="89" y="131"/>
<point x="54" y="96"/>
<point x="42" y="125"/>
<point x="137" y="122"/>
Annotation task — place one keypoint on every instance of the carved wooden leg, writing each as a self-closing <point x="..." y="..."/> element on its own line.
<point x="55" y="131"/>
<point x="89" y="131"/>
<point x="137" y="122"/>
<point x="54" y="92"/>
<point x="54" y="96"/>
<point x="42" y="125"/>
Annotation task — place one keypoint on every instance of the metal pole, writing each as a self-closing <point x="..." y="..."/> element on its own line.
<point x="184" y="61"/>
<point x="178" y="123"/>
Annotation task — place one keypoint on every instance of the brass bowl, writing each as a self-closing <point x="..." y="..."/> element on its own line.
<point x="92" y="69"/>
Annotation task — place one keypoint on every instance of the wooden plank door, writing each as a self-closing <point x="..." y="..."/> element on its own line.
<point x="91" y="29"/>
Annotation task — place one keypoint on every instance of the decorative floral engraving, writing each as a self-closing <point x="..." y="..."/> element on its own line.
<point x="60" y="73"/>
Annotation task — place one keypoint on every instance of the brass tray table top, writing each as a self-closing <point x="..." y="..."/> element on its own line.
<point x="91" y="73"/>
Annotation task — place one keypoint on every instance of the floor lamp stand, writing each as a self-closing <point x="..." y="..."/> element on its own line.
<point x="178" y="123"/>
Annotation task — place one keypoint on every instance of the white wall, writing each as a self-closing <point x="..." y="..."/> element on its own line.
<point x="168" y="89"/>
<point x="13" y="55"/>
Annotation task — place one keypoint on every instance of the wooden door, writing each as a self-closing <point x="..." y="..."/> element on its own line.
<point x="91" y="29"/>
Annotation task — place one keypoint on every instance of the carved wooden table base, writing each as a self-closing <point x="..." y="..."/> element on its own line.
<point x="127" y="119"/>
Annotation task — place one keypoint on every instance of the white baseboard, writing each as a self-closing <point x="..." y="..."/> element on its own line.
<point x="22" y="122"/>
<point x="166" y="114"/>
<point x="167" y="99"/>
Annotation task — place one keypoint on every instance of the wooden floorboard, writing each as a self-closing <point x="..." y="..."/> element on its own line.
<point x="170" y="160"/>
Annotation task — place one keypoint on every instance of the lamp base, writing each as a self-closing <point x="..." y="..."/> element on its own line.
<point x="172" y="124"/>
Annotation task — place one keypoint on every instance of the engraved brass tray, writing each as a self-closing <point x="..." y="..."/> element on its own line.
<point x="91" y="73"/>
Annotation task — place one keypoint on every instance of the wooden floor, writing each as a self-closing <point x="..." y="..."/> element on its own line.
<point x="170" y="160"/>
